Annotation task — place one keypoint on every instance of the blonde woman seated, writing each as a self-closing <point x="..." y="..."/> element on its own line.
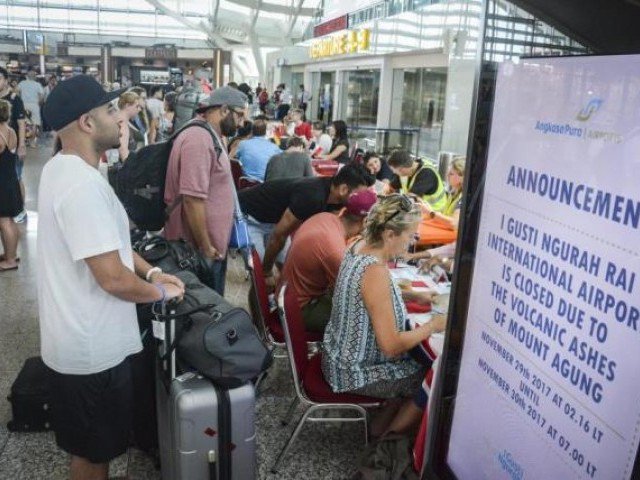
<point x="366" y="347"/>
<point x="450" y="215"/>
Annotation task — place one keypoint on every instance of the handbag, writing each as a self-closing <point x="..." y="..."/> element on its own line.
<point x="240" y="238"/>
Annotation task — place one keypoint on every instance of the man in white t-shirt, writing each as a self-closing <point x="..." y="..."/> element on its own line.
<point x="32" y="94"/>
<point x="284" y="103"/>
<point x="89" y="280"/>
<point x="155" y="103"/>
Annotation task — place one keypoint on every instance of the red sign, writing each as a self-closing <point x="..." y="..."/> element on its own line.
<point x="331" y="26"/>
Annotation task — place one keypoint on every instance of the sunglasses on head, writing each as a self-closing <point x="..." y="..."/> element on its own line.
<point x="406" y="205"/>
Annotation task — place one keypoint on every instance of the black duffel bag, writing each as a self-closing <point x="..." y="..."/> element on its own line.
<point x="172" y="256"/>
<point x="215" y="338"/>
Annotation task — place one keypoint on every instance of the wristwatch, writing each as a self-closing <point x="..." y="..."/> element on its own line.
<point x="432" y="214"/>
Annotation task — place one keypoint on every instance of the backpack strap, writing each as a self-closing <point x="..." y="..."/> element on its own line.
<point x="202" y="124"/>
<point x="216" y="146"/>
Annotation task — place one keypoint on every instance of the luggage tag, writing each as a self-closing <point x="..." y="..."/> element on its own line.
<point x="158" y="329"/>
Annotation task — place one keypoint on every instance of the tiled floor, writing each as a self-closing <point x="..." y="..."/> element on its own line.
<point x="323" y="451"/>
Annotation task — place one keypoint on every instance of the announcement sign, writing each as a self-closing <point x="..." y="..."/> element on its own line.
<point x="550" y="378"/>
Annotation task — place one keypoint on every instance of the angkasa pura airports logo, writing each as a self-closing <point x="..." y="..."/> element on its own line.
<point x="591" y="108"/>
<point x="509" y="465"/>
<point x="580" y="131"/>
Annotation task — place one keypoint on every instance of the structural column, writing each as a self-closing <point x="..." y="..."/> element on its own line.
<point x="221" y="70"/>
<point x="106" y="63"/>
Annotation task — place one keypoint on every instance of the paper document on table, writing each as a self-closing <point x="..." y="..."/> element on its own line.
<point x="403" y="274"/>
<point x="420" y="318"/>
<point x="443" y="288"/>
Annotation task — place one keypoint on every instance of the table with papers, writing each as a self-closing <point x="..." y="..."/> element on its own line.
<point x="421" y="282"/>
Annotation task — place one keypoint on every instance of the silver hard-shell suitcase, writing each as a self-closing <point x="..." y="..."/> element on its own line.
<point x="204" y="431"/>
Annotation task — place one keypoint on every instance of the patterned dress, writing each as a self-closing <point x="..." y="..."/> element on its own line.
<point x="352" y="358"/>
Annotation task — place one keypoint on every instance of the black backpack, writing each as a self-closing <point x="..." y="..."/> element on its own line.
<point x="139" y="181"/>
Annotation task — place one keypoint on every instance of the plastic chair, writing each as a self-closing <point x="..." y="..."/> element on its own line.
<point x="269" y="321"/>
<point x="247" y="182"/>
<point x="236" y="172"/>
<point x="310" y="386"/>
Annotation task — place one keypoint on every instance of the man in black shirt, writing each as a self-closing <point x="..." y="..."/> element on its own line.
<point x="275" y="209"/>
<point x="16" y="122"/>
<point x="412" y="176"/>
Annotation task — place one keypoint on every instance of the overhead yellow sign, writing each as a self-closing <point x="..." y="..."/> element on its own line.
<point x="352" y="41"/>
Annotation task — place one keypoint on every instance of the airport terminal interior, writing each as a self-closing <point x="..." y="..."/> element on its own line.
<point x="340" y="137"/>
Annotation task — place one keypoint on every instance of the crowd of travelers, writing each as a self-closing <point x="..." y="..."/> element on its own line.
<point x="330" y="238"/>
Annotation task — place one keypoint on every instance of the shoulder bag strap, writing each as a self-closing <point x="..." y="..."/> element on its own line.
<point x="237" y="213"/>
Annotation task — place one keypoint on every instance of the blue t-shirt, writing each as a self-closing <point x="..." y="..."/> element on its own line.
<point x="254" y="155"/>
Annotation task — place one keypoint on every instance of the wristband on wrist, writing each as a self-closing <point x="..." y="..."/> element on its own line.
<point x="432" y="214"/>
<point x="163" y="292"/>
<point x="151" y="271"/>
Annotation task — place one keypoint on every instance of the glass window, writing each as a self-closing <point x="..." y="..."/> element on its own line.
<point x="322" y="91"/>
<point x="421" y="106"/>
<point x="360" y="98"/>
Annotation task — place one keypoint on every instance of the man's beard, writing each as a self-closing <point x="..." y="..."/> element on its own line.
<point x="228" y="126"/>
<point x="107" y="142"/>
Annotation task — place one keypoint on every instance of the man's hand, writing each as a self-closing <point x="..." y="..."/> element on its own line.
<point x="270" y="283"/>
<point x="166" y="278"/>
<point x="426" y="208"/>
<point x="123" y="150"/>
<point x="22" y="152"/>
<point x="272" y="279"/>
<point x="212" y="254"/>
<point x="173" y="291"/>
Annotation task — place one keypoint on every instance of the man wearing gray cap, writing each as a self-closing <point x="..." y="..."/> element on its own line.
<point x="200" y="183"/>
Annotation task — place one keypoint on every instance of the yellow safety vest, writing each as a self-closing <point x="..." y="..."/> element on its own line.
<point x="451" y="203"/>
<point x="437" y="199"/>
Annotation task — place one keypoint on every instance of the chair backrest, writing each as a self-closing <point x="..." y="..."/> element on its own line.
<point x="270" y="319"/>
<point x="247" y="182"/>
<point x="236" y="172"/>
<point x="293" y="329"/>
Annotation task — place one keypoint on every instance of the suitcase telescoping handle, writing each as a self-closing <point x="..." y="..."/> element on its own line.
<point x="213" y="468"/>
<point x="164" y="329"/>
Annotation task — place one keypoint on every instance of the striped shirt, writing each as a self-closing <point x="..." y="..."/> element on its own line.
<point x="352" y="358"/>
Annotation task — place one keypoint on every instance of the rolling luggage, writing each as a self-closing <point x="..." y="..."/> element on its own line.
<point x="204" y="431"/>
<point x="29" y="398"/>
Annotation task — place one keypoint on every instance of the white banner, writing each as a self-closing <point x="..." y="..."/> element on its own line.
<point x="549" y="384"/>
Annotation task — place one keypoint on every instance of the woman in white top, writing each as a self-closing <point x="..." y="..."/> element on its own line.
<point x="165" y="121"/>
<point x="321" y="142"/>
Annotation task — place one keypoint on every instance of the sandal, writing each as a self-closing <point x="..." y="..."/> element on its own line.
<point x="3" y="258"/>
<point x="3" y="269"/>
